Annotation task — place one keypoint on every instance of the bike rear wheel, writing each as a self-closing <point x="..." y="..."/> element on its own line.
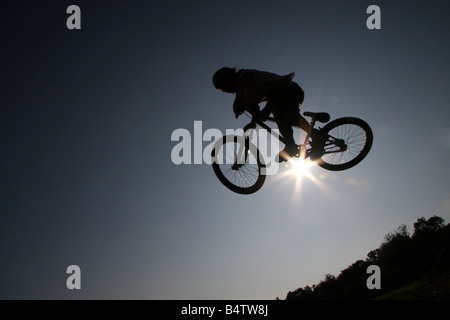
<point x="349" y="141"/>
<point x="238" y="164"/>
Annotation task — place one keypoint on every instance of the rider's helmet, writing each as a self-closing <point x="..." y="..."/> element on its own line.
<point x="223" y="74"/>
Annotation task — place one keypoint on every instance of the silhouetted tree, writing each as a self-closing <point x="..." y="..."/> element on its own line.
<point x="429" y="226"/>
<point x="427" y="242"/>
<point x="402" y="259"/>
<point x="395" y="258"/>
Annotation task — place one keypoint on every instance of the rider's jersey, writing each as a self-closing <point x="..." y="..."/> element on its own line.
<point x="253" y="85"/>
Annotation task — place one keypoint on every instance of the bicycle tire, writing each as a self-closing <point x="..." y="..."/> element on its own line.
<point x="248" y="177"/>
<point x="358" y="137"/>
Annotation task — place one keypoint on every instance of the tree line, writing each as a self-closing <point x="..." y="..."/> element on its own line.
<point x="402" y="259"/>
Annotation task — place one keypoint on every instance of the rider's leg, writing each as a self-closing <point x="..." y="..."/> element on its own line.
<point x="302" y="123"/>
<point x="286" y="118"/>
<point x="286" y="131"/>
<point x="285" y="108"/>
<point x="285" y="126"/>
<point x="290" y="117"/>
<point x="317" y="138"/>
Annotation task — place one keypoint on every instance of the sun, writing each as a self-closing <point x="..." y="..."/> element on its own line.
<point x="303" y="172"/>
<point x="299" y="167"/>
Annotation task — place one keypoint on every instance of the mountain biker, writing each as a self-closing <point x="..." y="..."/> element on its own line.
<point x="284" y="98"/>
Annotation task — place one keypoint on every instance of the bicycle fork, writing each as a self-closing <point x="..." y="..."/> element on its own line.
<point x="241" y="154"/>
<point x="243" y="151"/>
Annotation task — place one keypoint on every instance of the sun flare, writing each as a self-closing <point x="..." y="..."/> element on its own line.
<point x="299" y="167"/>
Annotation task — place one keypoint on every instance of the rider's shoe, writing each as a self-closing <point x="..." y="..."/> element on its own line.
<point x="317" y="144"/>
<point x="288" y="152"/>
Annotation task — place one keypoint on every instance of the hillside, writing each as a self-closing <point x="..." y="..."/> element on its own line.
<point x="411" y="267"/>
<point x="437" y="288"/>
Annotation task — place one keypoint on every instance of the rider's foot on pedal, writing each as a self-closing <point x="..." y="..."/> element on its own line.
<point x="317" y="144"/>
<point x="288" y="152"/>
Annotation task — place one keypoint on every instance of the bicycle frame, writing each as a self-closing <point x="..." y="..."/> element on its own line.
<point x="350" y="136"/>
<point x="303" y="151"/>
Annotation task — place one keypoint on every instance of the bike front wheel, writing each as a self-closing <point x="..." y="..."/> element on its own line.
<point x="348" y="143"/>
<point x="238" y="164"/>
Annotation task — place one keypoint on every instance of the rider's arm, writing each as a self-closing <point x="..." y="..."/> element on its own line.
<point x="253" y="86"/>
<point x="238" y="107"/>
<point x="253" y="109"/>
<point x="266" y="111"/>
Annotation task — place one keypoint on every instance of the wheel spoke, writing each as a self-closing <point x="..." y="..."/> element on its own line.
<point x="239" y="177"/>
<point x="357" y="140"/>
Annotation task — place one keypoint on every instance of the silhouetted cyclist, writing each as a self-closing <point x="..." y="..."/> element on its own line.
<point x="284" y="98"/>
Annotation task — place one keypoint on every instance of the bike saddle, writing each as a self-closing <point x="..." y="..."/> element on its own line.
<point x="318" y="116"/>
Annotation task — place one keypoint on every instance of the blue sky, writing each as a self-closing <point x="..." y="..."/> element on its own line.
<point x="86" y="121"/>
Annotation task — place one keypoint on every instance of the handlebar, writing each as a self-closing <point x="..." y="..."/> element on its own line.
<point x="257" y="117"/>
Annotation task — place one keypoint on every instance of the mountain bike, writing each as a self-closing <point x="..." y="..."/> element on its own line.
<point x="239" y="165"/>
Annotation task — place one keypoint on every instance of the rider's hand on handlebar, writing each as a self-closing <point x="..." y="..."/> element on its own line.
<point x="238" y="109"/>
<point x="262" y="115"/>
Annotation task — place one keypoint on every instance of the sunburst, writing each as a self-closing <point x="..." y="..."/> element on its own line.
<point x="300" y="170"/>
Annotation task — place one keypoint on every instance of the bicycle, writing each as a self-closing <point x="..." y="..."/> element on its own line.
<point x="239" y="165"/>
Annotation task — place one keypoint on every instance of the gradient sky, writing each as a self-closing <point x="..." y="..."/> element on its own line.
<point x="86" y="118"/>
